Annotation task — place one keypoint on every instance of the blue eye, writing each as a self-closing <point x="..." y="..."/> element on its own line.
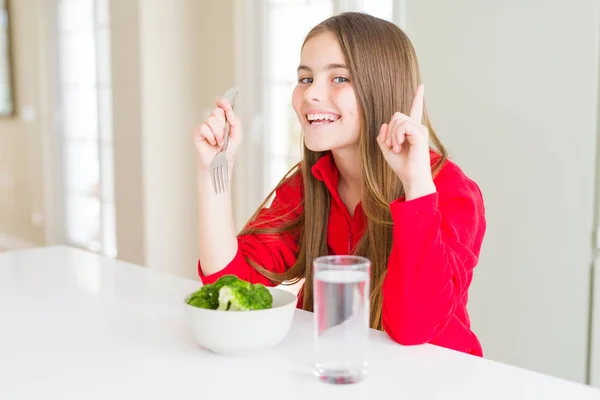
<point x="305" y="80"/>
<point x="340" y="79"/>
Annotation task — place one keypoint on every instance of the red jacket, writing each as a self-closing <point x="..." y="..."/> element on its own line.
<point x="436" y="244"/>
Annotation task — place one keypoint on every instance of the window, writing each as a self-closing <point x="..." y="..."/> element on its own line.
<point x="86" y="114"/>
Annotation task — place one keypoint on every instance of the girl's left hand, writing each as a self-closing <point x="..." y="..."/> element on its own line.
<point x="404" y="143"/>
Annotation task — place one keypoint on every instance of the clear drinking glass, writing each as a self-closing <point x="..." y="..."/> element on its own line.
<point x="341" y="311"/>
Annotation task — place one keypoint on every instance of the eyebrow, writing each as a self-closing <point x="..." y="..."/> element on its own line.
<point x="330" y="66"/>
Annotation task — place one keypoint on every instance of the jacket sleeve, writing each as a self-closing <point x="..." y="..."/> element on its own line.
<point x="276" y="252"/>
<point x="436" y="244"/>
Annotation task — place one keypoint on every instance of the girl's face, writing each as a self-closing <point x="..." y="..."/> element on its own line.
<point x="324" y="98"/>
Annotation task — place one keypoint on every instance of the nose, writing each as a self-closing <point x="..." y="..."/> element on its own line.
<point x="315" y="92"/>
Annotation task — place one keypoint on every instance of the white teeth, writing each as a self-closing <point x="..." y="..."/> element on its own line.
<point x="322" y="117"/>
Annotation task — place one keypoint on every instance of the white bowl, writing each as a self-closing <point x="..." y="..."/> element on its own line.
<point x="243" y="332"/>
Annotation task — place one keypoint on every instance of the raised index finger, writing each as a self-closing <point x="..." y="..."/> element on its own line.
<point x="416" y="109"/>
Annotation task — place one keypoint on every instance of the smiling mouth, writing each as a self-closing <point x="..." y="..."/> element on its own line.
<point x="322" y="119"/>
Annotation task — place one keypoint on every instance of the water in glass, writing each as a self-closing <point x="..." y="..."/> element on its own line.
<point x="341" y="312"/>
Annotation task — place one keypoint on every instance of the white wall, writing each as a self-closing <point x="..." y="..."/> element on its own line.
<point x="512" y="89"/>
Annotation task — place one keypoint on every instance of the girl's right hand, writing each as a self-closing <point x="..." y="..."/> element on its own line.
<point x="209" y="137"/>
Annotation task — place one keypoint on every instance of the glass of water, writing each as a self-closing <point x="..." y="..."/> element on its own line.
<point x="341" y="310"/>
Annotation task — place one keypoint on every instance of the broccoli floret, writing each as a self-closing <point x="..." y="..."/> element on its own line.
<point x="203" y="298"/>
<point x="225" y="280"/>
<point x="208" y="295"/>
<point x="261" y="297"/>
<point x="229" y="293"/>
<point x="234" y="298"/>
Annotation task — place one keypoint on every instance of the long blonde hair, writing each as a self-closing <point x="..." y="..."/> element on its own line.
<point x="385" y="74"/>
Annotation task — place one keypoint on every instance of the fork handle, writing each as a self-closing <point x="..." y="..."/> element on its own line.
<point x="226" y="142"/>
<point x="231" y="97"/>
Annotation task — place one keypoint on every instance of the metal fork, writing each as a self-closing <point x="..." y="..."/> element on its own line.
<point x="219" y="167"/>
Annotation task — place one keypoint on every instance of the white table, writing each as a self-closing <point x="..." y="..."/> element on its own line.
<point x="74" y="325"/>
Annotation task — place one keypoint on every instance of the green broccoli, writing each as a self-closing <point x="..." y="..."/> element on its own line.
<point x="202" y="297"/>
<point x="229" y="293"/>
<point x="261" y="297"/>
<point x="212" y="290"/>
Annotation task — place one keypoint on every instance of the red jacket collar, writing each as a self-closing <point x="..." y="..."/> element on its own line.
<point x="326" y="171"/>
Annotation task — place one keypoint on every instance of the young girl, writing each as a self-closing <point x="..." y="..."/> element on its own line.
<point x="369" y="184"/>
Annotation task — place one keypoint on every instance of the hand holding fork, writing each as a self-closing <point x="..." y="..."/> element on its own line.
<point x="217" y="140"/>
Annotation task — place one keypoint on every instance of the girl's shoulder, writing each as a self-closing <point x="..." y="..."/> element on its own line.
<point x="452" y="179"/>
